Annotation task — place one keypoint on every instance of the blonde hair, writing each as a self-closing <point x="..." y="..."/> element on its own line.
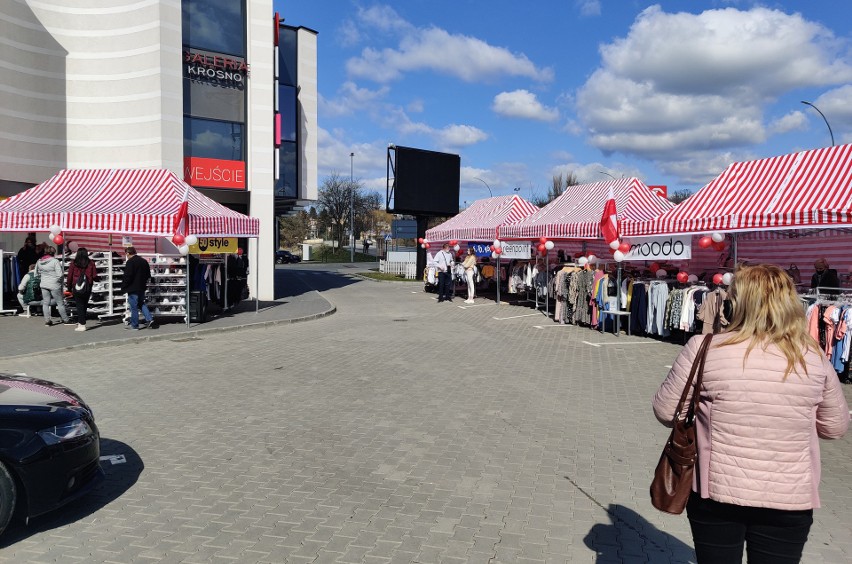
<point x="767" y="311"/>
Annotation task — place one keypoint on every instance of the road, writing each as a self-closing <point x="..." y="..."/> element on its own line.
<point x="396" y="430"/>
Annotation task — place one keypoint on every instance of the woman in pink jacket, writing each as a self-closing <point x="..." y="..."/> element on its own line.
<point x="768" y="394"/>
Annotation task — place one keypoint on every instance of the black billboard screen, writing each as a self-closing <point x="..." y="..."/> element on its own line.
<point x="426" y="182"/>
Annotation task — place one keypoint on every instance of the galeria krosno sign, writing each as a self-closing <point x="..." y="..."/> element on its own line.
<point x="215" y="69"/>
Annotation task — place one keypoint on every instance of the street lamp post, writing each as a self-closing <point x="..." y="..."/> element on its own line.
<point x="823" y="119"/>
<point x="351" y="208"/>
<point x="608" y="174"/>
<point x="486" y="185"/>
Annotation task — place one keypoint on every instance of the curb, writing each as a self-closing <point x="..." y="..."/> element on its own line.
<point x="196" y="333"/>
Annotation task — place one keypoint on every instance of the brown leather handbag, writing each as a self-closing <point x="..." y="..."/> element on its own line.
<point x="672" y="482"/>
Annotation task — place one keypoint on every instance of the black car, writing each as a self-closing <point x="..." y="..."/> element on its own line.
<point x="49" y="447"/>
<point x="286" y="257"/>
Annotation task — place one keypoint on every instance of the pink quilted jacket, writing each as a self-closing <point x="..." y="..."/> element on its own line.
<point x="758" y="434"/>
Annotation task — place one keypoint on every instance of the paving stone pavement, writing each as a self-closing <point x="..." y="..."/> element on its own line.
<point x="396" y="430"/>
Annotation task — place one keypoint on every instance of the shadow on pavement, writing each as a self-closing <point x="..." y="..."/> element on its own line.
<point x="118" y="478"/>
<point x="293" y="281"/>
<point x="631" y="538"/>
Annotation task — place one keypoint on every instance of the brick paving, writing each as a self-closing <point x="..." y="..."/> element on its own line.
<point x="396" y="430"/>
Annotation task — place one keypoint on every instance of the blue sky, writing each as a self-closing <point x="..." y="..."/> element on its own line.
<point x="671" y="92"/>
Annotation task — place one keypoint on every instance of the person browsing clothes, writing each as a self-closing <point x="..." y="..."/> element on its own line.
<point x="824" y="277"/>
<point x="82" y="274"/>
<point x="469" y="265"/>
<point x="49" y="270"/>
<point x="767" y="396"/>
<point x="137" y="271"/>
<point x="444" y="264"/>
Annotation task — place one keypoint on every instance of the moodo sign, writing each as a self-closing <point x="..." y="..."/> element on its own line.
<point x="654" y="248"/>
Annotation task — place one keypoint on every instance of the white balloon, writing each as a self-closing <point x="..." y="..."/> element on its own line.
<point x="497" y="243"/>
<point x="191" y="240"/>
<point x="73" y="246"/>
<point x="693" y="278"/>
<point x="593" y="259"/>
<point x="718" y="237"/>
<point x="494" y="255"/>
<point x="618" y="256"/>
<point x="614" y="245"/>
<point x="183" y="249"/>
<point x="55" y="230"/>
<point x="549" y="245"/>
<point x="456" y="247"/>
<point x="422" y="245"/>
<point x="582" y="261"/>
<point x="662" y="273"/>
<point x="727" y="278"/>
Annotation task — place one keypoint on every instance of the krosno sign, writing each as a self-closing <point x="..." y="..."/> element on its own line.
<point x="215" y="69"/>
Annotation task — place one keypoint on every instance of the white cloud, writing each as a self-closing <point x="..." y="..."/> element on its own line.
<point x="681" y="85"/>
<point x="523" y="104"/>
<point x="350" y="99"/>
<point x="589" y="7"/>
<point x="836" y="106"/>
<point x="459" y="136"/>
<point x="467" y="58"/>
<point x="794" y="121"/>
<point x="415" y="106"/>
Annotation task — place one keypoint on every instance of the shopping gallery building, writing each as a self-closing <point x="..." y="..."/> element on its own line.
<point x="221" y="92"/>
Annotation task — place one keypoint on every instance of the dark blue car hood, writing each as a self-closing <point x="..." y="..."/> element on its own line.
<point x="24" y="398"/>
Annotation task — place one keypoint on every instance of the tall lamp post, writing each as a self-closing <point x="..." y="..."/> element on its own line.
<point x="608" y="174"/>
<point x="823" y="119"/>
<point x="486" y="185"/>
<point x="351" y="208"/>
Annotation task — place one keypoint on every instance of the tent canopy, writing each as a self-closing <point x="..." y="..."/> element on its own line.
<point x="482" y="219"/>
<point x="576" y="214"/>
<point x="133" y="202"/>
<point x="811" y="189"/>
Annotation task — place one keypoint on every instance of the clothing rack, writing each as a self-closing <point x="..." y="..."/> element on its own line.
<point x="3" y="254"/>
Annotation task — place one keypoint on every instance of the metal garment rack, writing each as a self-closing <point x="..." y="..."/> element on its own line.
<point x="3" y="255"/>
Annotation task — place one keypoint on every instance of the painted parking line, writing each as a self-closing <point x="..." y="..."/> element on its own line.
<point x="554" y="325"/>
<point x="620" y="343"/>
<point x="472" y="305"/>
<point x="517" y="316"/>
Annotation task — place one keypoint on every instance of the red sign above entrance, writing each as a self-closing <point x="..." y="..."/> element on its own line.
<point x="661" y="191"/>
<point x="214" y="173"/>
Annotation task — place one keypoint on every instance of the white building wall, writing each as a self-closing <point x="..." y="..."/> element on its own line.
<point x="307" y="79"/>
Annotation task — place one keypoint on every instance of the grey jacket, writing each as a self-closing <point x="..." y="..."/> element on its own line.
<point x="50" y="270"/>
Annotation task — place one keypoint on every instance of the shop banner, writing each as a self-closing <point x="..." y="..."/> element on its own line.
<point x="214" y="173"/>
<point x="212" y="245"/>
<point x="481" y="250"/>
<point x="516" y="251"/>
<point x="654" y="248"/>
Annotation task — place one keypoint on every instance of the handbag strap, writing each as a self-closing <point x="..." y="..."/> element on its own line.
<point x="697" y="368"/>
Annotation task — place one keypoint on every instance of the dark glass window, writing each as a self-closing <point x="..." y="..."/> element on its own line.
<point x="287" y="109"/>
<point x="287" y="56"/>
<point x="212" y="139"/>
<point x="285" y="186"/>
<point x="215" y="25"/>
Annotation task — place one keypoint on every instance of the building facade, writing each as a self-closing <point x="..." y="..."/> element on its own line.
<point x="191" y="86"/>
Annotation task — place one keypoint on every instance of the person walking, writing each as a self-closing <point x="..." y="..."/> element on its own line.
<point x="767" y="394"/>
<point x="137" y="271"/>
<point x="49" y="269"/>
<point x="444" y="264"/>
<point x="82" y="274"/>
<point x="469" y="265"/>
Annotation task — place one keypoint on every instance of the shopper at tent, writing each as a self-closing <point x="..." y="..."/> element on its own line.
<point x="137" y="271"/>
<point x="27" y="255"/>
<point x="49" y="269"/>
<point x="469" y="265"/>
<point x="82" y="274"/>
<point x="34" y="298"/>
<point x="824" y="277"/>
<point x="444" y="264"/>
<point x="767" y="394"/>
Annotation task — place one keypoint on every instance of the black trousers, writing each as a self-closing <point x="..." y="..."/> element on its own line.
<point x="719" y="531"/>
<point x="81" y="301"/>
<point x="444" y="286"/>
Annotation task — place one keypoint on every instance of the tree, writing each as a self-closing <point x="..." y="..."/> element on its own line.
<point x="557" y="188"/>
<point x="293" y="229"/>
<point x="336" y="199"/>
<point x="678" y="196"/>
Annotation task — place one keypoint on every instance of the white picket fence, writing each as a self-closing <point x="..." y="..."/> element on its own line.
<point x="406" y="269"/>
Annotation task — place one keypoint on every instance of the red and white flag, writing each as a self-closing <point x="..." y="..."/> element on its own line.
<point x="609" y="221"/>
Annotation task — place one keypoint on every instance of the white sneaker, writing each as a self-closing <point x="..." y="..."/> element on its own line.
<point x="468" y="301"/>
<point x="80" y="327"/>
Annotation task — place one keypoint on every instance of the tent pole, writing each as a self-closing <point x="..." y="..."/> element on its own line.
<point x="546" y="284"/>
<point x="256" y="253"/>
<point x="618" y="302"/>
<point x="734" y="249"/>
<point x="497" y="273"/>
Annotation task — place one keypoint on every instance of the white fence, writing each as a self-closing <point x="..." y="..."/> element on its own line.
<point x="406" y="269"/>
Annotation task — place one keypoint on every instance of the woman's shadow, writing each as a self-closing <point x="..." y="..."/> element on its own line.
<point x="122" y="467"/>
<point x="631" y="538"/>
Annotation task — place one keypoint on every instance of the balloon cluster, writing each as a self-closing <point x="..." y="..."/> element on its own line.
<point x="619" y="249"/>
<point x="715" y="240"/>
<point x="725" y="279"/>
<point x="544" y="245"/>
<point x="424" y="244"/>
<point x="56" y="234"/>
<point x="183" y="243"/>
<point x="496" y="248"/>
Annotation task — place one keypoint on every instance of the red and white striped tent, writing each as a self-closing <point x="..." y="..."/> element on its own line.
<point x="481" y="221"/>
<point x="132" y="202"/>
<point x="808" y="189"/>
<point x="576" y="214"/>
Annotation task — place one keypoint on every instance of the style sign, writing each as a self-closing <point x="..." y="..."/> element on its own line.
<point x="653" y="248"/>
<point x="214" y="173"/>
<point x="214" y="245"/>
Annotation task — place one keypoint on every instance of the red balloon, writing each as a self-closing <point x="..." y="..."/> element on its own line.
<point x="240" y="251"/>
<point x="717" y="279"/>
<point x="705" y="242"/>
<point x="542" y="240"/>
<point x="624" y="248"/>
<point x="491" y="247"/>
<point x="453" y="243"/>
<point x="420" y="240"/>
<point x="682" y="277"/>
<point x="541" y="248"/>
<point x="178" y="239"/>
<point x="654" y="267"/>
<point x="58" y="239"/>
<point x="427" y="245"/>
<point x="718" y="245"/>
<point x="498" y="250"/>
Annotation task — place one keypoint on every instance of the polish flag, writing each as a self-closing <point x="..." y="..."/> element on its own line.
<point x="609" y="221"/>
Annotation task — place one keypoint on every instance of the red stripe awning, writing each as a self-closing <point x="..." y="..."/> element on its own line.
<point x="132" y="201"/>
<point x="482" y="220"/>
<point x="806" y="189"/>
<point x="576" y="214"/>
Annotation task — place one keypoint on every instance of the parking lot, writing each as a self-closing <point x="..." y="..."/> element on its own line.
<point x="395" y="430"/>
